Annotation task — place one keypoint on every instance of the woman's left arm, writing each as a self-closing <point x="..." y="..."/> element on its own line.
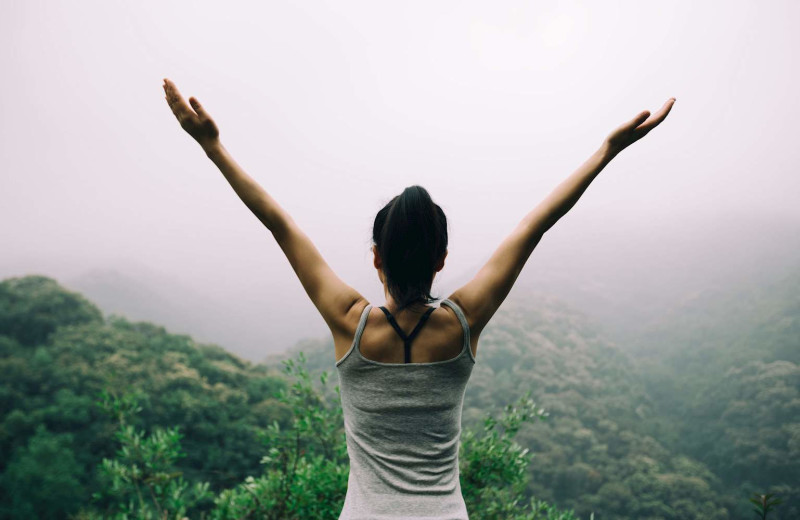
<point x="334" y="299"/>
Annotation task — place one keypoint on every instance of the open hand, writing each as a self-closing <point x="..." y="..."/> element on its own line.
<point x="636" y="128"/>
<point x="195" y="120"/>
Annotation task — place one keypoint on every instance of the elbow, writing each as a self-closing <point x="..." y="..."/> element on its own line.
<point x="279" y="224"/>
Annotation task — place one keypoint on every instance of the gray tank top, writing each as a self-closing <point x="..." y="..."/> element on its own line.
<point x="403" y="430"/>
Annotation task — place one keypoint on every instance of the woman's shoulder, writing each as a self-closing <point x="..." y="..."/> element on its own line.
<point x="353" y="315"/>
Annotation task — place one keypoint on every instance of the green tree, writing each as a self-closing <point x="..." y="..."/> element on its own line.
<point x="32" y="307"/>
<point x="42" y="478"/>
<point x="764" y="504"/>
<point x="142" y="481"/>
<point x="307" y="467"/>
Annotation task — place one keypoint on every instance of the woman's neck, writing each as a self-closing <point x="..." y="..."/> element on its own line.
<point x="414" y="308"/>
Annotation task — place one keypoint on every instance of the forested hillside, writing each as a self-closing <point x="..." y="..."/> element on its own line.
<point x="106" y="418"/>
<point x="57" y="354"/>
<point x="723" y="370"/>
<point x="658" y="436"/>
<point x="594" y="453"/>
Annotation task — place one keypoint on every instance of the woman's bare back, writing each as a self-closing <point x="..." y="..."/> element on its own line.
<point x="440" y="339"/>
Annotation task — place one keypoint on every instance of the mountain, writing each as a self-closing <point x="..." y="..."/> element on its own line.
<point x="621" y="272"/>
<point x="594" y="453"/>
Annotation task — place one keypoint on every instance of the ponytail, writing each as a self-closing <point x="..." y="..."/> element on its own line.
<point x="410" y="233"/>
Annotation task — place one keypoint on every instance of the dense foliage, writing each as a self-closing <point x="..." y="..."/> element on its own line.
<point x="49" y="391"/>
<point x="102" y="417"/>
<point x="113" y="419"/>
<point x="594" y="455"/>
<point x="723" y="370"/>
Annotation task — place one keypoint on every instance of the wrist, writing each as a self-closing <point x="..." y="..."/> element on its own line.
<point x="607" y="152"/>
<point x="211" y="147"/>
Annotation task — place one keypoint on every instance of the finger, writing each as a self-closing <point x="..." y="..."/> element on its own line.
<point x="181" y="109"/>
<point x="659" y="116"/>
<point x="175" y="99"/>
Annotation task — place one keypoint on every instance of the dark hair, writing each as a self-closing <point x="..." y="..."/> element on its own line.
<point x="410" y="233"/>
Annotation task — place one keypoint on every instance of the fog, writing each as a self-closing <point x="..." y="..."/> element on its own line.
<point x="335" y="107"/>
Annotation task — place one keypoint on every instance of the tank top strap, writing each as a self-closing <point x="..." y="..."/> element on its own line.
<point x="464" y="325"/>
<point x="362" y="322"/>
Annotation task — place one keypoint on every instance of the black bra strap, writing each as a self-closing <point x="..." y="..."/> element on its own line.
<point x="422" y="321"/>
<point x="393" y="322"/>
<point x="407" y="339"/>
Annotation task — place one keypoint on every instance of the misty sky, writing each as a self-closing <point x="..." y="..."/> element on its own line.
<point x="335" y="107"/>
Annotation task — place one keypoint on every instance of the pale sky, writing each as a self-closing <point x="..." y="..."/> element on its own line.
<point x="335" y="107"/>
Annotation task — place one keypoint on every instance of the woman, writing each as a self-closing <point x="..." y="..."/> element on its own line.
<point x="402" y="405"/>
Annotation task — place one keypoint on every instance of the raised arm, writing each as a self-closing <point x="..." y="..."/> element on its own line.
<point x="334" y="299"/>
<point x="482" y="296"/>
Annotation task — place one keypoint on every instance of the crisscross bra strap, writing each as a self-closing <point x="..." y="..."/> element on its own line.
<point x="407" y="339"/>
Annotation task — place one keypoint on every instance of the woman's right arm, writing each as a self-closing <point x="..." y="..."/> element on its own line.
<point x="480" y="298"/>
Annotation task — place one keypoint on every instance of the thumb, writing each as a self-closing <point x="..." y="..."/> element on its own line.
<point x="628" y="127"/>
<point x="197" y="107"/>
<point x="638" y="120"/>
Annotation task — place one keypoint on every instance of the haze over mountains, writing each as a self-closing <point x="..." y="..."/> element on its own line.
<point x="622" y="273"/>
